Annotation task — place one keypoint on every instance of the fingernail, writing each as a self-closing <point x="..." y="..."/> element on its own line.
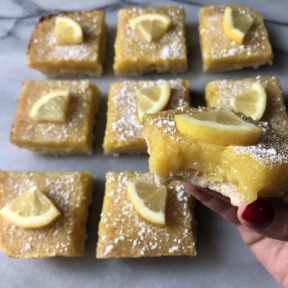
<point x="259" y="213"/>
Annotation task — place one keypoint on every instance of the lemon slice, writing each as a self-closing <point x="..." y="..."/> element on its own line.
<point x="32" y="209"/>
<point x="150" y="26"/>
<point x="51" y="107"/>
<point x="252" y="102"/>
<point x="153" y="99"/>
<point x="220" y="126"/>
<point x="236" y="25"/>
<point x="148" y="200"/>
<point x="68" y="31"/>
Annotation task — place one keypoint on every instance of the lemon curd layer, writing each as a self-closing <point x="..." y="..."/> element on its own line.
<point x="260" y="170"/>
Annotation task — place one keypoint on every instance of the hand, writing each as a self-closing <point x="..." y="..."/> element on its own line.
<point x="263" y="226"/>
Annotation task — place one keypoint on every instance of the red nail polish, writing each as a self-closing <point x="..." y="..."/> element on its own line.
<point x="259" y="213"/>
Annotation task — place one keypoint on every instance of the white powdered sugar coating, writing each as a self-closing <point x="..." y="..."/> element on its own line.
<point x="123" y="233"/>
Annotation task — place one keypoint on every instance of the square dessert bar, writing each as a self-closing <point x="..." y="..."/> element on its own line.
<point x="219" y="93"/>
<point x="85" y="59"/>
<point x="70" y="192"/>
<point x="220" y="53"/>
<point x="73" y="136"/>
<point x="133" y="56"/>
<point x="123" y="129"/>
<point x="123" y="233"/>
<point x="251" y="171"/>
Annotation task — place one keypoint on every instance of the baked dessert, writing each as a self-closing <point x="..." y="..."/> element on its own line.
<point x="135" y="56"/>
<point x="74" y="135"/>
<point x="241" y="172"/>
<point x="220" y="53"/>
<point x="123" y="129"/>
<point x="219" y="93"/>
<point x="123" y="233"/>
<point x="70" y="192"/>
<point x="51" y="57"/>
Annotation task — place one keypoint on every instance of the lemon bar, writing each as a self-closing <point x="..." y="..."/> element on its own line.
<point x="133" y="56"/>
<point x="242" y="173"/>
<point x="220" y="53"/>
<point x="71" y="192"/>
<point x="123" y="130"/>
<point x="123" y="233"/>
<point x="72" y="136"/>
<point x="219" y="93"/>
<point x="83" y="59"/>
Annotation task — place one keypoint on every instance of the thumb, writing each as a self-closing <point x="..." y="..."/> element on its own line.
<point x="268" y="217"/>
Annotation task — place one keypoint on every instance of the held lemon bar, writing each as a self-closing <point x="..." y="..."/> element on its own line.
<point x="70" y="192"/>
<point x="51" y="52"/>
<point x="123" y="233"/>
<point x="219" y="93"/>
<point x="242" y="173"/>
<point x="220" y="53"/>
<point x="134" y="55"/>
<point x="73" y="134"/>
<point x="124" y="130"/>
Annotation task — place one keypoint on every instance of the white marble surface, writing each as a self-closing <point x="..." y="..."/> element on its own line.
<point x="223" y="260"/>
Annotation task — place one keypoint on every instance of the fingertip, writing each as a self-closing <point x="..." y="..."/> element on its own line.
<point x="259" y="213"/>
<point x="188" y="186"/>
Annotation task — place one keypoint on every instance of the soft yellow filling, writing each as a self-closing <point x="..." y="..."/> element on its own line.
<point x="255" y="170"/>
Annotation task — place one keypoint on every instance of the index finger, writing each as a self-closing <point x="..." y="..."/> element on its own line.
<point x="215" y="201"/>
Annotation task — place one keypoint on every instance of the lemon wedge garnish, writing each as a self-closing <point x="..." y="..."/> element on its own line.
<point x="148" y="200"/>
<point x="153" y="99"/>
<point x="32" y="209"/>
<point x="51" y="107"/>
<point x="68" y="31"/>
<point x="236" y="25"/>
<point x="150" y="26"/>
<point x="252" y="102"/>
<point x="220" y="126"/>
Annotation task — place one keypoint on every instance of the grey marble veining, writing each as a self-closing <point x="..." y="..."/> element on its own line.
<point x="223" y="260"/>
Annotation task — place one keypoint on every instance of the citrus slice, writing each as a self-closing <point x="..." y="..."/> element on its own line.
<point x="220" y="126"/>
<point x="148" y="200"/>
<point x="236" y="25"/>
<point x="32" y="209"/>
<point x="252" y="102"/>
<point x="150" y="26"/>
<point x="68" y="31"/>
<point x="51" y="107"/>
<point x="153" y="99"/>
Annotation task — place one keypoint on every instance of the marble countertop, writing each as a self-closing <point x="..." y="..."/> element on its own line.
<point x="223" y="260"/>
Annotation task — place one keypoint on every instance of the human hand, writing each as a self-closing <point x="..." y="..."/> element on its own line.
<point x="263" y="226"/>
